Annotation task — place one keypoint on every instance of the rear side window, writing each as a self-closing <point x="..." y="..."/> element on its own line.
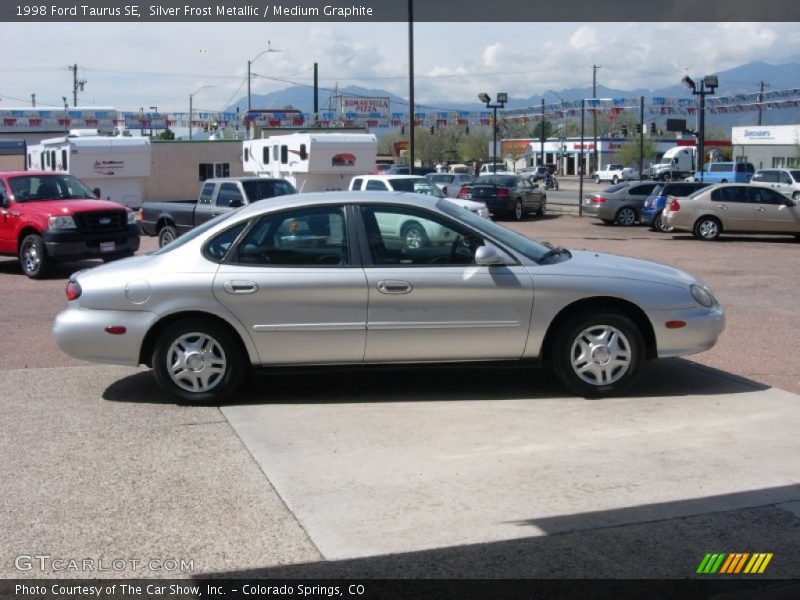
<point x="206" y="194"/>
<point x="737" y="194"/>
<point x="766" y="176"/>
<point x="721" y="168"/>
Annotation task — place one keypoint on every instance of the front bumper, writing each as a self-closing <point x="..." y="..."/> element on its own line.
<point x="703" y="327"/>
<point x="75" y="245"/>
<point x="81" y="334"/>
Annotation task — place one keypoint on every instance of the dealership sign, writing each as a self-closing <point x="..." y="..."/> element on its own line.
<point x="772" y="135"/>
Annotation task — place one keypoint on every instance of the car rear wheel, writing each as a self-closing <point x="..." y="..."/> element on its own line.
<point x="165" y="235"/>
<point x="542" y="208"/>
<point x="796" y="196"/>
<point x="707" y="229"/>
<point x="626" y="216"/>
<point x="660" y="225"/>
<point x="198" y="361"/>
<point x="598" y="355"/>
<point x="519" y="210"/>
<point x="33" y="257"/>
<point x="615" y="180"/>
<point x="597" y="179"/>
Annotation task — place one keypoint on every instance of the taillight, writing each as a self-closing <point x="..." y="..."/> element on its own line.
<point x="444" y="190"/>
<point x="674" y="205"/>
<point x="596" y="199"/>
<point x="463" y="192"/>
<point x="502" y="193"/>
<point x="73" y="290"/>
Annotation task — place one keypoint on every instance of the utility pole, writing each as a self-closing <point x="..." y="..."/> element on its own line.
<point x="594" y="112"/>
<point x="33" y="100"/>
<point x="411" y="111"/>
<point x="76" y="83"/>
<point x="762" y="85"/>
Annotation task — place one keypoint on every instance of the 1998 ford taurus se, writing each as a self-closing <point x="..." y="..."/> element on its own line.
<point x="315" y="279"/>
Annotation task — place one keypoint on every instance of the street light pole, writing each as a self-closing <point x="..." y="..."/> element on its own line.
<point x="707" y="86"/>
<point x="250" y="62"/>
<point x="502" y="98"/>
<point x="191" y="108"/>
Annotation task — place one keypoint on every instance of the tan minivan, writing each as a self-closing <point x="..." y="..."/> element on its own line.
<point x="733" y="208"/>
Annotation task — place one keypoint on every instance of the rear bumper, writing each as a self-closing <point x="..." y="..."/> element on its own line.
<point x="600" y="211"/>
<point x="74" y="245"/>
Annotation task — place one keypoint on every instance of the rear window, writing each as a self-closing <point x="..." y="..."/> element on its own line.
<point x="615" y="188"/>
<point x="504" y="180"/>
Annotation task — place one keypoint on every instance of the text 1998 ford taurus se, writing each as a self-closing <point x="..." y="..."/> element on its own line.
<point x="328" y="278"/>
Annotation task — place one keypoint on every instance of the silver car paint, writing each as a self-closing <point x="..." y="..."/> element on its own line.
<point x="472" y="313"/>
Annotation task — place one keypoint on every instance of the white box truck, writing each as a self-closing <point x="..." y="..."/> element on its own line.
<point x="114" y="165"/>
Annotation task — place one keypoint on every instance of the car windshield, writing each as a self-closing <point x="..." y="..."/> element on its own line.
<point x="193" y="233"/>
<point x="34" y="188"/>
<point x="516" y="241"/>
<point x="268" y="188"/>
<point x="504" y="180"/>
<point x="417" y="185"/>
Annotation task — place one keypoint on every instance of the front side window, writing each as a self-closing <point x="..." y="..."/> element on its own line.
<point x="308" y="237"/>
<point x="267" y="188"/>
<point x="785" y="179"/>
<point x="228" y="192"/>
<point x="403" y="236"/>
<point x="759" y="195"/>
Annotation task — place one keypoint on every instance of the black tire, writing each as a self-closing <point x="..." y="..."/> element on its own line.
<point x="615" y="180"/>
<point x="666" y="177"/>
<point x="600" y="374"/>
<point x="542" y="208"/>
<point x="723" y="181"/>
<point x="707" y="228"/>
<point x="33" y="256"/>
<point x="658" y="223"/>
<point x="204" y="345"/>
<point x="626" y="216"/>
<point x="597" y="179"/>
<point x="519" y="210"/>
<point x="796" y="196"/>
<point x="414" y="236"/>
<point x="166" y="234"/>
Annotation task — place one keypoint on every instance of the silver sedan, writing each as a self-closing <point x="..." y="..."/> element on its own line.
<point x="313" y="279"/>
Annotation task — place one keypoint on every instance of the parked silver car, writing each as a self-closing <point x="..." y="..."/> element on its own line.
<point x="313" y="279"/>
<point x="619" y="204"/>
<point x="450" y="183"/>
<point x="733" y="208"/>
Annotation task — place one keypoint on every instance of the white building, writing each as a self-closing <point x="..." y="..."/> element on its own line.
<point x="767" y="145"/>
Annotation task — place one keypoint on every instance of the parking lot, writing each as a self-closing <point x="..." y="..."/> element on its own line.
<point x="419" y="472"/>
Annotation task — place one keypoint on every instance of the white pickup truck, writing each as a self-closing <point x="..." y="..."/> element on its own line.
<point x="616" y="173"/>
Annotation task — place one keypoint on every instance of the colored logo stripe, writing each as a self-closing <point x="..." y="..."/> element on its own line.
<point x="733" y="563"/>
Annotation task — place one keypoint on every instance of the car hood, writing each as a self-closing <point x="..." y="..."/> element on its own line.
<point x="55" y="208"/>
<point x="597" y="264"/>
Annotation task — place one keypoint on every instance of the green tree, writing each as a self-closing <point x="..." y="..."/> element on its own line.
<point x="475" y="146"/>
<point x="167" y="135"/>
<point x="628" y="154"/>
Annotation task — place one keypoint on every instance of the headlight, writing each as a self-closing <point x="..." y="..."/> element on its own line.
<point x="702" y="295"/>
<point x="61" y="223"/>
<point x="131" y="218"/>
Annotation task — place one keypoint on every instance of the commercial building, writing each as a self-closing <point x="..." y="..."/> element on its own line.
<point x="767" y="146"/>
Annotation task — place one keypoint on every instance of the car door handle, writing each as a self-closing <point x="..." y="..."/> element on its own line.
<point x="240" y="287"/>
<point x="394" y="287"/>
<point x="722" y="207"/>
<point x="761" y="209"/>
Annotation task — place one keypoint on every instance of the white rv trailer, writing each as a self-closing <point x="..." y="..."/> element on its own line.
<point x="116" y="166"/>
<point x="312" y="162"/>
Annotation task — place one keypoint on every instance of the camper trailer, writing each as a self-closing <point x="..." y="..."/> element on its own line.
<point x="312" y="162"/>
<point x="116" y="166"/>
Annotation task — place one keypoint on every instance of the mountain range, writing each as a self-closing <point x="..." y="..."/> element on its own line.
<point x="738" y="80"/>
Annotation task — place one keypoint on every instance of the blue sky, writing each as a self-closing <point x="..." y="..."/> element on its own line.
<point x="133" y="65"/>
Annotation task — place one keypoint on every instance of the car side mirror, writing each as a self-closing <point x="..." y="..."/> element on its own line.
<point x="489" y="255"/>
<point x="96" y="192"/>
<point x="236" y="203"/>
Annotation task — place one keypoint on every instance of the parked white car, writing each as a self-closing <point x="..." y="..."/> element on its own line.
<point x="616" y="173"/>
<point x="450" y="183"/>
<point x="786" y="181"/>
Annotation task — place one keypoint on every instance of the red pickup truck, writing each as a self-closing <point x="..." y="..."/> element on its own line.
<point x="48" y="217"/>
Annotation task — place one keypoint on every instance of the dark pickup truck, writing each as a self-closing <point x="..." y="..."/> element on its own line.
<point x="168" y="220"/>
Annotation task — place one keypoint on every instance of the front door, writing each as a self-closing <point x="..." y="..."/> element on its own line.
<point x="8" y="223"/>
<point x="772" y="213"/>
<point x="292" y="284"/>
<point x="427" y="298"/>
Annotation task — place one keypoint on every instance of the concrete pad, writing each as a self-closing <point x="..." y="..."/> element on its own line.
<point x="99" y="464"/>
<point x="385" y="461"/>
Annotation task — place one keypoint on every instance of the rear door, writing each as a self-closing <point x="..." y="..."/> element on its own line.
<point x="771" y="211"/>
<point x="731" y="204"/>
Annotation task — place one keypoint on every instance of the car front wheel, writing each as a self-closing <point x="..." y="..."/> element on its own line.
<point x="598" y="355"/>
<point x="626" y="216"/>
<point x="198" y="361"/>
<point x="33" y="257"/>
<point x="707" y="229"/>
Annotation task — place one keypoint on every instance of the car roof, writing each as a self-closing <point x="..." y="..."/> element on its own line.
<point x="387" y="177"/>
<point x="229" y="179"/>
<point x="349" y="197"/>
<point x="23" y="173"/>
